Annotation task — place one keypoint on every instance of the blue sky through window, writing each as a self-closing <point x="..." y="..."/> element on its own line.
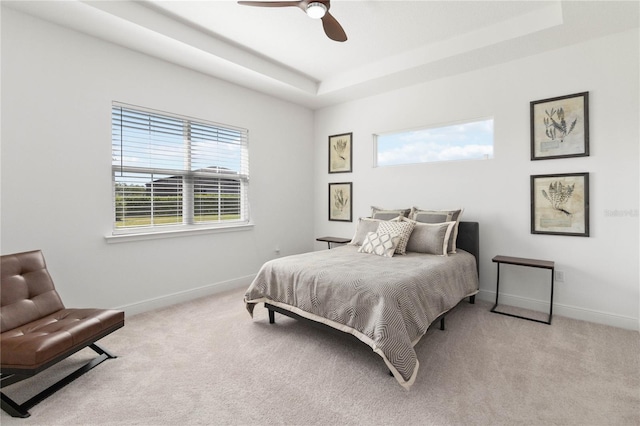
<point x="464" y="141"/>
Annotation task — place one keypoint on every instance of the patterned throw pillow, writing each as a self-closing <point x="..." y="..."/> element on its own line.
<point x="380" y="244"/>
<point x="402" y="229"/>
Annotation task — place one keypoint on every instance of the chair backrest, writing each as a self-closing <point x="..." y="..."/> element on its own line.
<point x="27" y="291"/>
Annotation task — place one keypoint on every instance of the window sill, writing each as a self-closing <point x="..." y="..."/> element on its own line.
<point x="173" y="233"/>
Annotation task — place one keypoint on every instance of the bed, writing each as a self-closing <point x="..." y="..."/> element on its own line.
<point x="388" y="303"/>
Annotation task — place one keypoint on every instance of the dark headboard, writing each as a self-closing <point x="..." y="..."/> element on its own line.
<point x="469" y="239"/>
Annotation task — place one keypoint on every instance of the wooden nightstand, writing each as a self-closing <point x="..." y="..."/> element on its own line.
<point x="533" y="263"/>
<point x="333" y="240"/>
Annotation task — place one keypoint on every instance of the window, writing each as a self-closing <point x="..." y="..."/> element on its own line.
<point x="462" y="141"/>
<point x="173" y="172"/>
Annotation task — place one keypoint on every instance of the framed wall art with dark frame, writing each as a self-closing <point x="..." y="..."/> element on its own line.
<point x="340" y="151"/>
<point x="340" y="201"/>
<point x="560" y="204"/>
<point x="560" y="127"/>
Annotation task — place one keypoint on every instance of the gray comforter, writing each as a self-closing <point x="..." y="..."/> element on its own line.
<point x="387" y="303"/>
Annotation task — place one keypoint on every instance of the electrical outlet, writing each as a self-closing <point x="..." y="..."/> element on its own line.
<point x="559" y="276"/>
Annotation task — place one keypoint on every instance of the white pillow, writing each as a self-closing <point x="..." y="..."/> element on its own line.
<point x="430" y="238"/>
<point x="403" y="229"/>
<point x="380" y="244"/>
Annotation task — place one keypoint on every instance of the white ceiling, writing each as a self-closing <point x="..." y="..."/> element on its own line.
<point x="391" y="44"/>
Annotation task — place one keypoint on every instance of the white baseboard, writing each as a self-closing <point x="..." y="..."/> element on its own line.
<point x="184" y="296"/>
<point x="490" y="296"/>
<point x="562" y="310"/>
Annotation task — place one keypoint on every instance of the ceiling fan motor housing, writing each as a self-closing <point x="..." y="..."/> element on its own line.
<point x="316" y="10"/>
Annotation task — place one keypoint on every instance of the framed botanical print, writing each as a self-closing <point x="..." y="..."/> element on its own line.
<point x="340" y="151"/>
<point x="340" y="201"/>
<point x="560" y="127"/>
<point x="560" y="204"/>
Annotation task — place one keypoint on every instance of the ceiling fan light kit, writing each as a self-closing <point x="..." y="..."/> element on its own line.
<point x="316" y="10"/>
<point x="313" y="9"/>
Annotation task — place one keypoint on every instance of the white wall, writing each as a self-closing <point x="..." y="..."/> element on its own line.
<point x="57" y="89"/>
<point x="51" y="164"/>
<point x="601" y="272"/>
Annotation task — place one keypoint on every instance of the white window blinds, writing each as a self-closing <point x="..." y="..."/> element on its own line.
<point x="170" y="171"/>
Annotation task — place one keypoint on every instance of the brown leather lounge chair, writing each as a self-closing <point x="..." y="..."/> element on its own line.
<point x="38" y="331"/>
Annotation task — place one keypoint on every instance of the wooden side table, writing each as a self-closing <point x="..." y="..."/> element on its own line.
<point x="333" y="240"/>
<point x="533" y="263"/>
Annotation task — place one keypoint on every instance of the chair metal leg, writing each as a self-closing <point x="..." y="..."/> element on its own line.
<point x="10" y="407"/>
<point x="102" y="351"/>
<point x="22" y="410"/>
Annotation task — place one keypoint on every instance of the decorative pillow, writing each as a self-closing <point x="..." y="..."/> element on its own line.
<point x="402" y="229"/>
<point x="380" y="244"/>
<point x="439" y="216"/>
<point x="365" y="225"/>
<point x="430" y="238"/>
<point x="387" y="214"/>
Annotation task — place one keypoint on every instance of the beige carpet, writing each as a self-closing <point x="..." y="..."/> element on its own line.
<point x="206" y="362"/>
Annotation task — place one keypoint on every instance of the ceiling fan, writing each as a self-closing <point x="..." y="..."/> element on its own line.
<point x="316" y="9"/>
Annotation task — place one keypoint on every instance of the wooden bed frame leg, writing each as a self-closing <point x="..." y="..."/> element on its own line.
<point x="472" y="299"/>
<point x="272" y="317"/>
<point x="442" y="323"/>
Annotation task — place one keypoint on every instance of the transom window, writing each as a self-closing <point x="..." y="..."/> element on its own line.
<point x="471" y="140"/>
<point x="171" y="171"/>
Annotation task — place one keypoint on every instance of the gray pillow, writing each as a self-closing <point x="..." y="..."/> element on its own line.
<point x="388" y="214"/>
<point x="365" y="225"/>
<point x="430" y="238"/>
<point x="439" y="216"/>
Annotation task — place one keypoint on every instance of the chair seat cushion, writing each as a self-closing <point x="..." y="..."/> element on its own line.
<point x="37" y="343"/>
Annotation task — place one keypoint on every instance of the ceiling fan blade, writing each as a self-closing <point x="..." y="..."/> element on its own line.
<point x="332" y="28"/>
<point x="270" y="3"/>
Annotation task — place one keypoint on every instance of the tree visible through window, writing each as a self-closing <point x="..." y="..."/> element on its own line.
<point x="170" y="170"/>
